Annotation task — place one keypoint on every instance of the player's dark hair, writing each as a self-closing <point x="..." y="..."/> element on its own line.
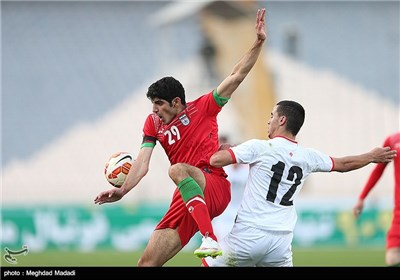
<point x="166" y="88"/>
<point x="294" y="113"/>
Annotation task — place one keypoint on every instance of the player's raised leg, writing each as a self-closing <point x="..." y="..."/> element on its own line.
<point x="191" y="183"/>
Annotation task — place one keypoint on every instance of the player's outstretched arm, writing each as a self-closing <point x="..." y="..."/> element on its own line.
<point x="377" y="155"/>
<point x="243" y="67"/>
<point x="221" y="158"/>
<point x="138" y="170"/>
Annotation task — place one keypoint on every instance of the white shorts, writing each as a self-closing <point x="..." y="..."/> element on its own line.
<point x="249" y="246"/>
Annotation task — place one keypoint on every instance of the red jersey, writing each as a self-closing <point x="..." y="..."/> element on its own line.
<point x="393" y="235"/>
<point x="192" y="137"/>
<point x="393" y="141"/>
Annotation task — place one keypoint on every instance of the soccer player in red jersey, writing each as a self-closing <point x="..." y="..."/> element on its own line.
<point x="393" y="235"/>
<point x="188" y="132"/>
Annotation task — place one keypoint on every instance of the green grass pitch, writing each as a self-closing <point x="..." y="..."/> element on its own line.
<point x="321" y="257"/>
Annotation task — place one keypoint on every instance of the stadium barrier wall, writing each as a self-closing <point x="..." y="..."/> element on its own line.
<point x="79" y="228"/>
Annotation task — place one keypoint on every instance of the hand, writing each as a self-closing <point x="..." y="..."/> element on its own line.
<point x="224" y="146"/>
<point x="111" y="195"/>
<point x="383" y="155"/>
<point x="260" y="25"/>
<point x="358" y="208"/>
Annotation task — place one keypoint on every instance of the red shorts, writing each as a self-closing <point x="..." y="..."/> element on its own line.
<point x="393" y="236"/>
<point x="217" y="195"/>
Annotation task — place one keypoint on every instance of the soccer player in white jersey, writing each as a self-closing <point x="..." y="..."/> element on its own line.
<point x="263" y="231"/>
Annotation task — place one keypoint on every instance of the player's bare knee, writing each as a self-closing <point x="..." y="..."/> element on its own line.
<point x="176" y="170"/>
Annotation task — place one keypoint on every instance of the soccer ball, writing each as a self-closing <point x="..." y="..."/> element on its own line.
<point x="117" y="168"/>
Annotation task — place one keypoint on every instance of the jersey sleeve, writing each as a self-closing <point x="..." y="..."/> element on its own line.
<point x="221" y="101"/>
<point x="149" y="132"/>
<point x="210" y="103"/>
<point x="375" y="174"/>
<point x="246" y="152"/>
<point x="372" y="179"/>
<point x="318" y="161"/>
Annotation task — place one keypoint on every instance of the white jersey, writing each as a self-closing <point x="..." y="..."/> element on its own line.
<point x="278" y="169"/>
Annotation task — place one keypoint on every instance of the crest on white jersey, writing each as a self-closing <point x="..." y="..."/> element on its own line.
<point x="184" y="120"/>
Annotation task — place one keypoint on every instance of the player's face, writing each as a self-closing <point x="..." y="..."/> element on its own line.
<point x="164" y="110"/>
<point x="273" y="123"/>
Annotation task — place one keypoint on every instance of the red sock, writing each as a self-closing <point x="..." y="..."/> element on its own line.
<point x="200" y="214"/>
